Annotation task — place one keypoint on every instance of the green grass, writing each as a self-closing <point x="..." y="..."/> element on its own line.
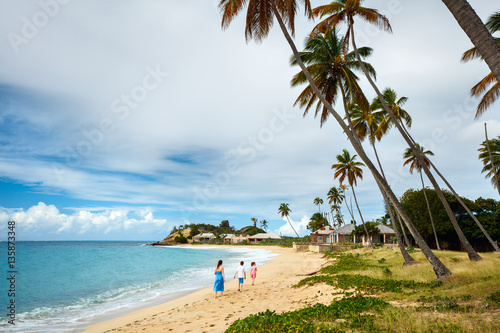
<point x="391" y="298"/>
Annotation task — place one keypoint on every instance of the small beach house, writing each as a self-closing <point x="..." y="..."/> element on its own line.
<point x="344" y="234"/>
<point x="227" y="238"/>
<point x="239" y="239"/>
<point x="323" y="235"/>
<point x="256" y="239"/>
<point x="203" y="237"/>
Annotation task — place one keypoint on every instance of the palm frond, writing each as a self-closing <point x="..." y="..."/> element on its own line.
<point x="488" y="99"/>
<point x="374" y="17"/>
<point x="473" y="53"/>
<point x="229" y="10"/>
<point x="493" y="23"/>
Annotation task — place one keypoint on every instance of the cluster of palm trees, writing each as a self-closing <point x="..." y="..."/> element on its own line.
<point x="327" y="66"/>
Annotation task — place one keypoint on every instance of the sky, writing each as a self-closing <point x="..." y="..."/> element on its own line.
<point x="121" y="119"/>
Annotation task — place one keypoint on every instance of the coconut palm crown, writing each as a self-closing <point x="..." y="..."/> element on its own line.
<point x="260" y="17"/>
<point x="333" y="72"/>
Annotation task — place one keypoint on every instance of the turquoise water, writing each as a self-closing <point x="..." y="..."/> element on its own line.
<point x="63" y="286"/>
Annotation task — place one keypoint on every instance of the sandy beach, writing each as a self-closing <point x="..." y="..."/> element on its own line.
<point x="201" y="312"/>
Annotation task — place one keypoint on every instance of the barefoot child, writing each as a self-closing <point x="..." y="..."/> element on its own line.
<point x="241" y="275"/>
<point x="253" y="272"/>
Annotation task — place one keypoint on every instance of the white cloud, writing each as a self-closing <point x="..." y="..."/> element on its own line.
<point x="299" y="226"/>
<point x="44" y="218"/>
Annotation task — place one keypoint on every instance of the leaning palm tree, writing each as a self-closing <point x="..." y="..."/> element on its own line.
<point x="367" y="124"/>
<point x="348" y="167"/>
<point x="284" y="210"/>
<point x="414" y="165"/>
<point x="318" y="202"/>
<point x="345" y="11"/>
<point x="258" y="27"/>
<point x="489" y="81"/>
<point x="477" y="33"/>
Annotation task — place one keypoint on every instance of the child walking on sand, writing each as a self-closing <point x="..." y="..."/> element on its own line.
<point x="241" y="275"/>
<point x="253" y="272"/>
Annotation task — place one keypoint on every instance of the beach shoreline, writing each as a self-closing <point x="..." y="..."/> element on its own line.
<point x="199" y="311"/>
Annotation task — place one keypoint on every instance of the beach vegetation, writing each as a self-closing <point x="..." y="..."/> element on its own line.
<point x="351" y="313"/>
<point x="181" y="239"/>
<point x="405" y="300"/>
<point x="485" y="210"/>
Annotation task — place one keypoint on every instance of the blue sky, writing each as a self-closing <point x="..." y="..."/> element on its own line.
<point x="122" y="119"/>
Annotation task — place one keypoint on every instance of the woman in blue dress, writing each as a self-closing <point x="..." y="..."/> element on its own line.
<point x="219" y="279"/>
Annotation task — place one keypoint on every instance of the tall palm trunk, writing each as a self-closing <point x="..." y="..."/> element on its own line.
<point x="477" y="33"/>
<point x="362" y="220"/>
<point x="439" y="268"/>
<point x="407" y="241"/>
<point x="350" y="212"/>
<point x="388" y="206"/>
<point x="429" y="210"/>
<point x="291" y="225"/>
<point x="494" y="244"/>
<point x="408" y="260"/>
<point x="493" y="167"/>
<point x="463" y="240"/>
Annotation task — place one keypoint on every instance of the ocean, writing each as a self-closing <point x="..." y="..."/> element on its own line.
<point x="65" y="286"/>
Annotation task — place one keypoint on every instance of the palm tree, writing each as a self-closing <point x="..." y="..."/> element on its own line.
<point x="345" y="11"/>
<point x="493" y="166"/>
<point x="477" y="33"/>
<point x="230" y="8"/>
<point x="348" y="167"/>
<point x="493" y="25"/>
<point x="367" y="124"/>
<point x="333" y="72"/>
<point x="317" y="221"/>
<point x="284" y="210"/>
<point x="254" y="220"/>
<point x="396" y="105"/>
<point x="414" y="164"/>
<point x="318" y="202"/>
<point x="335" y="198"/>
<point x="487" y="158"/>
<point x="263" y="224"/>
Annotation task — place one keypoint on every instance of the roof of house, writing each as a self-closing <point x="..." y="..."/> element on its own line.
<point x="385" y="229"/>
<point x="207" y="234"/>
<point x="348" y="229"/>
<point x="265" y="236"/>
<point x="228" y="236"/>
